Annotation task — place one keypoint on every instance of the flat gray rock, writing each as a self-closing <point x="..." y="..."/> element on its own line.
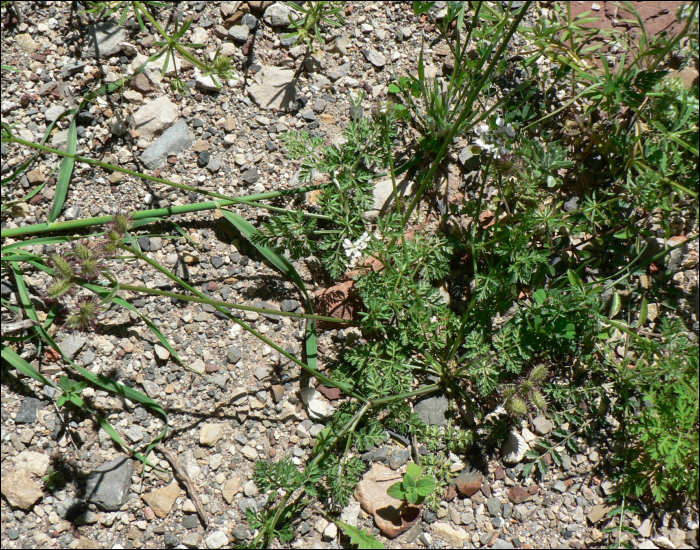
<point x="375" y="58"/>
<point x="174" y="140"/>
<point x="339" y="72"/>
<point x="105" y="39"/>
<point x="277" y="15"/>
<point x="432" y="410"/>
<point x="154" y="117"/>
<point x="108" y="486"/>
<point x="274" y="88"/>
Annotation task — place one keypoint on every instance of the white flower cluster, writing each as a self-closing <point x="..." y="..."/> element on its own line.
<point x="494" y="140"/>
<point x="354" y="250"/>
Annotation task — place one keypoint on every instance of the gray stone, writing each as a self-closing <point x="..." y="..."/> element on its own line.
<point x="241" y="532"/>
<point x="398" y="459"/>
<point x="470" y="158"/>
<point x="501" y="544"/>
<point x="432" y="410"/>
<point x="560" y="486"/>
<point x="374" y="57"/>
<point x="72" y="344"/>
<point x="104" y="39"/>
<point x="52" y="113"/>
<point x="205" y="82"/>
<point x="72" y="212"/>
<point x="215" y="163"/>
<point x="108" y="486"/>
<point x="250" y="21"/>
<point x="339" y="72"/>
<point x="493" y="505"/>
<point x="278" y="15"/>
<point x="384" y="195"/>
<point x="28" y="410"/>
<point x="340" y="45"/>
<point x="217" y="539"/>
<point x="155" y="243"/>
<point x="514" y="448"/>
<point x="239" y="32"/>
<point x="174" y="140"/>
<point x="308" y="115"/>
<point x="71" y="507"/>
<point x="251" y="176"/>
<point x="289" y="305"/>
<point x="376" y="455"/>
<point x="572" y="203"/>
<point x="154" y="117"/>
<point x="542" y="425"/>
<point x="274" y="88"/>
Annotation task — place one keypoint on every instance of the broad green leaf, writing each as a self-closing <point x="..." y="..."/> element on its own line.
<point x="615" y="305"/>
<point x="557" y="457"/>
<point x="425" y="486"/>
<point x="65" y="173"/>
<point x="413" y="470"/>
<point x="540" y="296"/>
<point x="394" y="89"/>
<point x="531" y="454"/>
<point x="396" y="491"/>
<point x="574" y="279"/>
<point x="527" y="469"/>
<point x="643" y="312"/>
<point x="360" y="537"/>
<point x="409" y="483"/>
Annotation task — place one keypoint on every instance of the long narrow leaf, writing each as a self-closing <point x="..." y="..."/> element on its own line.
<point x="65" y="173"/>
<point x="286" y="267"/>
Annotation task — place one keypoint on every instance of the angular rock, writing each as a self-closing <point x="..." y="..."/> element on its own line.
<point x="542" y="425"/>
<point x="239" y="32"/>
<point x="161" y="500"/>
<point x="230" y="489"/>
<point x="204" y="82"/>
<point x="384" y="195"/>
<point x="514" y="448"/>
<point x="391" y="517"/>
<point x="217" y="539"/>
<point x="154" y="117"/>
<point x="174" y="140"/>
<point x="598" y="512"/>
<point x="105" y="38"/>
<point x="375" y="58"/>
<point x="72" y="344"/>
<point x="454" y="537"/>
<point x="432" y="410"/>
<point x="339" y="72"/>
<point x="35" y="463"/>
<point x="20" y="490"/>
<point x="28" y="410"/>
<point x="493" y="505"/>
<point x="518" y="494"/>
<point x="278" y="15"/>
<point x="108" y="486"/>
<point x="274" y="88"/>
<point x="210" y="434"/>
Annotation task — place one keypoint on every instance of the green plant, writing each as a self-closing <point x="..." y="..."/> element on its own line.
<point x="414" y="487"/>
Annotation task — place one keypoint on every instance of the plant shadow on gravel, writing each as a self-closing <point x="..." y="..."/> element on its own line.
<point x="541" y="283"/>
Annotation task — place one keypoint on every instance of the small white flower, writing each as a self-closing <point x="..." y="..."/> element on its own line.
<point x="354" y="250"/>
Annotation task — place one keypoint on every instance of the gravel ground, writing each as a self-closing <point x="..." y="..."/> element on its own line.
<point x="246" y="405"/>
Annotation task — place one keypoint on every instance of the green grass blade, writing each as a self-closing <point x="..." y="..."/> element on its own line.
<point x="65" y="173"/>
<point x="21" y="365"/>
<point x="286" y="267"/>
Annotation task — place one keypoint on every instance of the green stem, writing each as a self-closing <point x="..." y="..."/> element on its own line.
<point x="229" y="305"/>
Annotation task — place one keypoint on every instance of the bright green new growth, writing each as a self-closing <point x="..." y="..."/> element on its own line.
<point x="414" y="487"/>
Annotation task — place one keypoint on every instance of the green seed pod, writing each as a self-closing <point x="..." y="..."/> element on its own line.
<point x="62" y="266"/>
<point x="539" y="373"/>
<point x="538" y="401"/>
<point x="516" y="406"/>
<point x="59" y="288"/>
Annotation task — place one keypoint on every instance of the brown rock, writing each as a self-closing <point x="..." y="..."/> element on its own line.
<point x="338" y="301"/>
<point x="200" y="145"/>
<point x="518" y="494"/>
<point x="451" y="493"/>
<point x="20" y="490"/>
<point x="35" y="176"/>
<point x="277" y="392"/>
<point x="161" y="500"/>
<point x="230" y="489"/>
<point x="468" y="482"/>
<point x="330" y="393"/>
<point x="598" y="512"/>
<point x="500" y="473"/>
<point x="141" y="84"/>
<point x="392" y="516"/>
